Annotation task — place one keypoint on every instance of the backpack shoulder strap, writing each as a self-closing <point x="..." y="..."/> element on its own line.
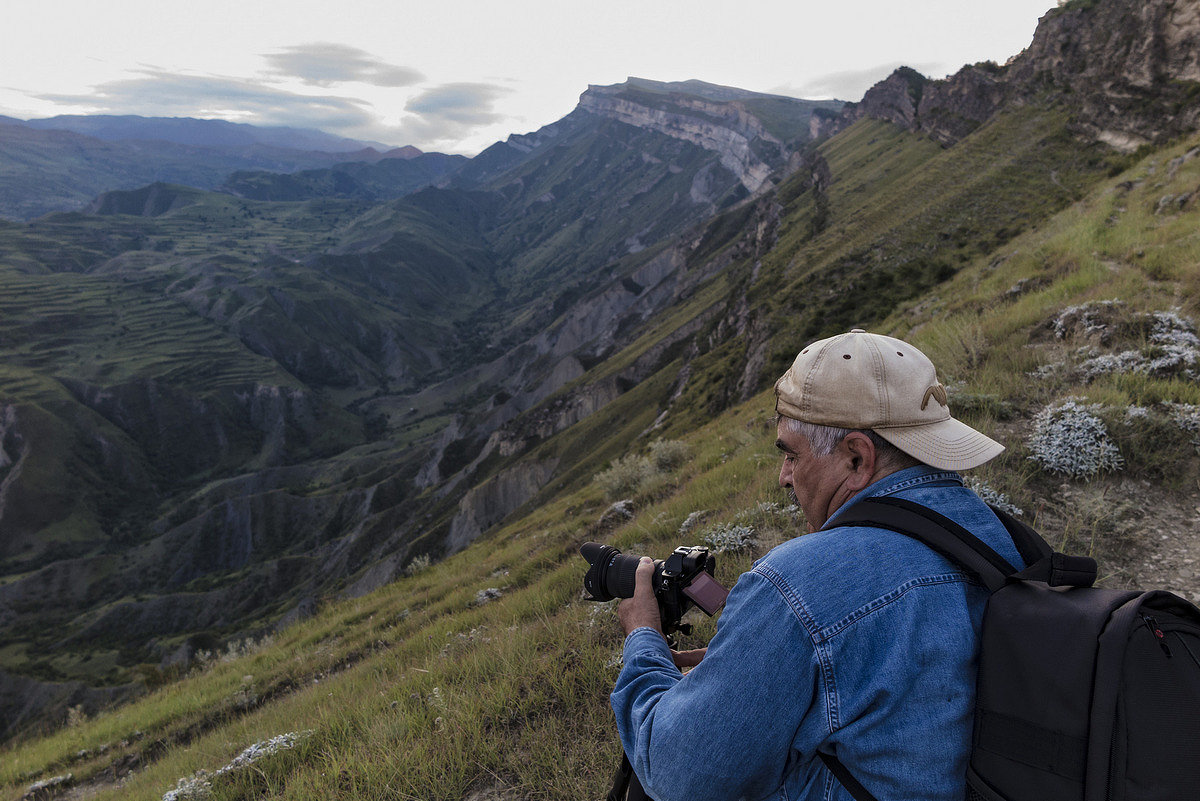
<point x="934" y="530"/>
<point x="1029" y="543"/>
<point x="968" y="551"/>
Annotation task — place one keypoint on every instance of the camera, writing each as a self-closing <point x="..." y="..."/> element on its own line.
<point x="684" y="579"/>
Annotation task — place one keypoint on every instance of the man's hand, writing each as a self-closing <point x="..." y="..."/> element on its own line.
<point x="642" y="609"/>
<point x="688" y="659"/>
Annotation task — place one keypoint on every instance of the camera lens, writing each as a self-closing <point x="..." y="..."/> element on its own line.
<point x="611" y="574"/>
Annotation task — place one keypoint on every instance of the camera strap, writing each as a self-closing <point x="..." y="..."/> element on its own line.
<point x="626" y="786"/>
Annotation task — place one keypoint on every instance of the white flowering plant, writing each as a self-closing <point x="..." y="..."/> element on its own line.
<point x="1070" y="438"/>
<point x="993" y="496"/>
<point x="726" y="537"/>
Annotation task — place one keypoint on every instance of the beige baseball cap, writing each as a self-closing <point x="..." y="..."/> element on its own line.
<point x="862" y="380"/>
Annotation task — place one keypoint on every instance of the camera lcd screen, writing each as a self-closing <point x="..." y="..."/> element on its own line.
<point x="706" y="593"/>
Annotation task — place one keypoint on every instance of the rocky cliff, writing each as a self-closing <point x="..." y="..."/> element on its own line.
<point x="724" y="122"/>
<point x="1128" y="70"/>
<point x="724" y="128"/>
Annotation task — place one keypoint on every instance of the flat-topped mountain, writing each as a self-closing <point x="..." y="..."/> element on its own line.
<point x="752" y="132"/>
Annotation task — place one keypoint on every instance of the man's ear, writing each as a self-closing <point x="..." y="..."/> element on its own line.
<point x="859" y="452"/>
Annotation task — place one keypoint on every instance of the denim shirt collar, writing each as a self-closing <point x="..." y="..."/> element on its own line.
<point x="921" y="475"/>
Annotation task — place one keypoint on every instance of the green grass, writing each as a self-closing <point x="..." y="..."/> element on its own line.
<point x="987" y="341"/>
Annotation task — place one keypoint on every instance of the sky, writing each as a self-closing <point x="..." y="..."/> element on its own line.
<point x="457" y="75"/>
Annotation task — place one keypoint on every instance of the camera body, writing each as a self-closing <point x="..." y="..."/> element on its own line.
<point x="681" y="581"/>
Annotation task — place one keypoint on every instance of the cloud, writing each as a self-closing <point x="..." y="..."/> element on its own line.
<point x="329" y="63"/>
<point x="462" y="103"/>
<point x="442" y="116"/>
<point x="157" y="93"/>
<point x="852" y="84"/>
<point x="438" y="117"/>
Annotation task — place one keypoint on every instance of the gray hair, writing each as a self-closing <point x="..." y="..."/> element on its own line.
<point x="823" y="439"/>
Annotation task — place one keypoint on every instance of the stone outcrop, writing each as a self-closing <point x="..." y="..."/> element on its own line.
<point x="1134" y="66"/>
<point x="1129" y="71"/>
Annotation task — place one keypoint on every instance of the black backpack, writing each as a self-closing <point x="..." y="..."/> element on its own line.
<point x="1083" y="694"/>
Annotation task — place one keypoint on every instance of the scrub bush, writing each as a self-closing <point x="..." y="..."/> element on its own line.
<point x="1070" y="439"/>
<point x="727" y="537"/>
<point x="993" y="496"/>
<point x="668" y="454"/>
<point x="626" y="476"/>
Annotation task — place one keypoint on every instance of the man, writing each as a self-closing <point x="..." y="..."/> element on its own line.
<point x="853" y="641"/>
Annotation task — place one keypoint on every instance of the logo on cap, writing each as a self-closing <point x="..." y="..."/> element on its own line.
<point x="938" y="393"/>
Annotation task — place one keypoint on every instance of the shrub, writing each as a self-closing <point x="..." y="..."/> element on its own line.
<point x="626" y="476"/>
<point x="1101" y="319"/>
<point x="993" y="496"/>
<point x="729" y="537"/>
<point x="489" y="594"/>
<point x="419" y="562"/>
<point x="1070" y="439"/>
<point x="1156" y="443"/>
<point x="1187" y="418"/>
<point x="1166" y="344"/>
<point x="668" y="454"/>
<point x="692" y="520"/>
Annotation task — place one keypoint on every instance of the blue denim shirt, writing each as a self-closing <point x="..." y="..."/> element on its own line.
<point x="855" y="641"/>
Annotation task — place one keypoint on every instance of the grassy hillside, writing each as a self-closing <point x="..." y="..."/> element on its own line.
<point x="1048" y="282"/>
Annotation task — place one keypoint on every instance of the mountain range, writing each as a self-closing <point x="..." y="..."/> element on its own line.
<point x="62" y="163"/>
<point x="254" y="397"/>
<point x="225" y="403"/>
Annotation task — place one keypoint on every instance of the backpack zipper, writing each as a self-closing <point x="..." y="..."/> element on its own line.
<point x="1161" y="638"/>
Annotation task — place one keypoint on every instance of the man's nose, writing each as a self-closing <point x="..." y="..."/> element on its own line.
<point x="785" y="475"/>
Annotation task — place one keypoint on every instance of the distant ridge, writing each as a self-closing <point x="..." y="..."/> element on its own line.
<point x="200" y="132"/>
<point x="709" y="91"/>
<point x="63" y="163"/>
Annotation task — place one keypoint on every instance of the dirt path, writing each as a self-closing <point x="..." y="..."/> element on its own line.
<point x="1165" y="544"/>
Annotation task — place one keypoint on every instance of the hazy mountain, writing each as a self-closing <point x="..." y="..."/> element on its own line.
<point x="200" y="133"/>
<point x="46" y="170"/>
<point x="385" y="179"/>
<point x="216" y="411"/>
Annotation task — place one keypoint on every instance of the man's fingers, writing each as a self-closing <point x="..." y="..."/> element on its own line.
<point x="642" y="608"/>
<point x="643" y="579"/>
<point x="688" y="659"/>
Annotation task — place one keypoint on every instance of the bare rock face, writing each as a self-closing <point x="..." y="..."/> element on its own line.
<point x="1128" y="60"/>
<point x="951" y="109"/>
<point x="894" y="99"/>
<point x="1128" y="69"/>
<point x="13" y="452"/>
<point x="25" y="701"/>
<point x="491" y="502"/>
<point x="725" y="127"/>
